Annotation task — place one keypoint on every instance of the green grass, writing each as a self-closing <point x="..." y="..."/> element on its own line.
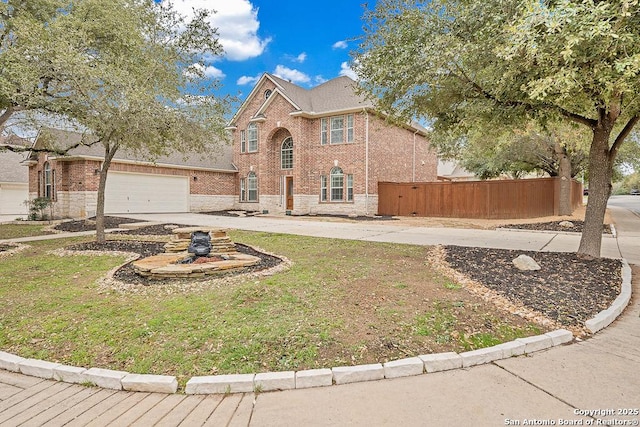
<point x="14" y="231"/>
<point x="341" y="302"/>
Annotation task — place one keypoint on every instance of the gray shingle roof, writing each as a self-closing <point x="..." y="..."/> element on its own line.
<point x="11" y="167"/>
<point x="334" y="95"/>
<point x="219" y="158"/>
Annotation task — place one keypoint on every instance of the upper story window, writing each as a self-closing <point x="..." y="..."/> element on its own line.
<point x="336" y="129"/>
<point x="286" y="154"/>
<point x="267" y="93"/>
<point x="249" y="139"/>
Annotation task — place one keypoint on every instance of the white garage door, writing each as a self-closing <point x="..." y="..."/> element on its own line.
<point x="140" y="193"/>
<point x="12" y="197"/>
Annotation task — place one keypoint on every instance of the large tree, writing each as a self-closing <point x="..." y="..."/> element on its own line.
<point x="129" y="72"/>
<point x="495" y="62"/>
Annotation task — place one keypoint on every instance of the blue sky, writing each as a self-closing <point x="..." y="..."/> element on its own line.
<point x="306" y="42"/>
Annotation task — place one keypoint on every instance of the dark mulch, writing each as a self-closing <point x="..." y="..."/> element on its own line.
<point x="128" y="275"/>
<point x="236" y="214"/>
<point x="567" y="289"/>
<point x="355" y="218"/>
<point x="151" y="230"/>
<point x="578" y="226"/>
<point x="90" y="225"/>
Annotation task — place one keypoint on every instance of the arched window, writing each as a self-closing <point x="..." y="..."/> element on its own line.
<point x="286" y="154"/>
<point x="336" y="180"/>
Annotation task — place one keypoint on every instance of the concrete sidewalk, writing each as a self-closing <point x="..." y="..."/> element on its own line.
<point x="578" y="383"/>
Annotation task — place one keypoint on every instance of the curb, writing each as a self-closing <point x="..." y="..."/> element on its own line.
<point x="566" y="233"/>
<point x="271" y="381"/>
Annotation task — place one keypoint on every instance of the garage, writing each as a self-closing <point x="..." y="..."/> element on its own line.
<point x="144" y="193"/>
<point x="12" y="198"/>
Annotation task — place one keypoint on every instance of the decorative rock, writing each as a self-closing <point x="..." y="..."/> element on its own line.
<point x="526" y="263"/>
<point x="150" y="383"/>
<point x="352" y="374"/>
<point x="403" y="368"/>
<point x="269" y="381"/>
<point x="170" y="226"/>
<point x="314" y="378"/>
<point x="566" y="224"/>
<point x="105" y="378"/>
<point x="441" y="361"/>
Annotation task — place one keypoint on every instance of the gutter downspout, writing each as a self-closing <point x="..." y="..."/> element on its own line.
<point x="366" y="161"/>
<point x="413" y="166"/>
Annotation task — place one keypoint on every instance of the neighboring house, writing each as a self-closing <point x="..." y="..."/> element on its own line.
<point x="134" y="184"/>
<point x="14" y="178"/>
<point x="451" y="170"/>
<point x="321" y="150"/>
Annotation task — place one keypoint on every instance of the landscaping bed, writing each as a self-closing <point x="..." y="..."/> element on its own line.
<point x="341" y="302"/>
<point x="577" y="226"/>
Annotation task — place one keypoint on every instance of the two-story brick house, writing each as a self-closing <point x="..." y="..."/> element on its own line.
<point x="300" y="151"/>
<point x="321" y="150"/>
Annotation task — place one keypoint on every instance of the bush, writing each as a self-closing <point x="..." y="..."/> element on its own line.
<point x="37" y="208"/>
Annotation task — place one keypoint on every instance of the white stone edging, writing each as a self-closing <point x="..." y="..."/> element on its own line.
<point x="567" y="233"/>
<point x="246" y="383"/>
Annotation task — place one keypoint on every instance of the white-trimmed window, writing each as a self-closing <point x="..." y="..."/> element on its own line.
<point x="252" y="187"/>
<point x="286" y="154"/>
<point x="252" y="138"/>
<point x="243" y="190"/>
<point x="243" y="141"/>
<point x="336" y="179"/>
<point x="336" y="129"/>
<point x="323" y="188"/>
<point x="337" y="187"/>
<point x="48" y="182"/>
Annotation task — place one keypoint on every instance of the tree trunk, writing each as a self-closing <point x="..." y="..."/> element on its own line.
<point x="109" y="152"/>
<point x="5" y="116"/>
<point x="564" y="172"/>
<point x="600" y="173"/>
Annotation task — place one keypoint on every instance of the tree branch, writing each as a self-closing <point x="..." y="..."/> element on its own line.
<point x="622" y="135"/>
<point x="527" y="106"/>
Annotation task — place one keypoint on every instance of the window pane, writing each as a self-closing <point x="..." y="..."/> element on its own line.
<point x="350" y="188"/>
<point x="323" y="131"/>
<point x="243" y="141"/>
<point x="350" y="128"/>
<point x="323" y="188"/>
<point x="286" y="154"/>
<point x="252" y="137"/>
<point x="243" y="190"/>
<point x="337" y="130"/>
<point x="337" y="184"/>
<point x="252" y="187"/>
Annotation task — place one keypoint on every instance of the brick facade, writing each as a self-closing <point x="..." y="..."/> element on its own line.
<point x="378" y="152"/>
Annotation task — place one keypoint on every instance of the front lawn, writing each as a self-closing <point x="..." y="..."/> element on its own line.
<point x="14" y="231"/>
<point x="341" y="303"/>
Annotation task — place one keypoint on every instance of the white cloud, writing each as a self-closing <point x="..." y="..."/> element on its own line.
<point x="340" y="45"/>
<point x="237" y="23"/>
<point x="346" y="70"/>
<point x="319" y="79"/>
<point x="301" y="58"/>
<point x="248" y="80"/>
<point x="210" y="71"/>
<point x="293" y="76"/>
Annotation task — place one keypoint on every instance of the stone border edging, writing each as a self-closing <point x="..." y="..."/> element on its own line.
<point x="271" y="381"/>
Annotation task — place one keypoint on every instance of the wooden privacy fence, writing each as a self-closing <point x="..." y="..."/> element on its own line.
<point x="499" y="199"/>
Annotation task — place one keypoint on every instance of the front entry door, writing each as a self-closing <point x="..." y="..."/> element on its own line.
<point x="289" y="192"/>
